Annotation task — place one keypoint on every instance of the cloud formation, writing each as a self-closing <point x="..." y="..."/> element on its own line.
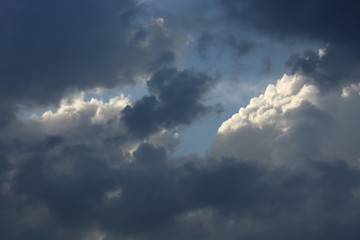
<point x="329" y="22"/>
<point x="293" y="122"/>
<point x="286" y="166"/>
<point x="237" y="47"/>
<point x="75" y="173"/>
<point x="329" y="67"/>
<point x="175" y="100"/>
<point x="49" y="49"/>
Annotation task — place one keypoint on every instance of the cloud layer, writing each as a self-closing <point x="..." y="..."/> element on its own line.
<point x="75" y="173"/>
<point x="286" y="166"/>
<point x="48" y="49"/>
<point x="328" y="22"/>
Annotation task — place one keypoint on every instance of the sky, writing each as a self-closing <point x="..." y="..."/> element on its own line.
<point x="164" y="119"/>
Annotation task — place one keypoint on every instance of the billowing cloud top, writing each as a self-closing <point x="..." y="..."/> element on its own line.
<point x="292" y="123"/>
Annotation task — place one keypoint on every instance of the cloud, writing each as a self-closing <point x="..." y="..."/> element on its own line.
<point x="75" y="173"/>
<point x="203" y="43"/>
<point x="175" y="99"/>
<point x="237" y="46"/>
<point x="51" y="49"/>
<point x="150" y="197"/>
<point x="330" y="67"/>
<point x="286" y="166"/>
<point x="328" y="22"/>
<point x="331" y="21"/>
<point x="7" y="114"/>
<point x="290" y="122"/>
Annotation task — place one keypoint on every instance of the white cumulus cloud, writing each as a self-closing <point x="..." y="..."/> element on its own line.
<point x="292" y="123"/>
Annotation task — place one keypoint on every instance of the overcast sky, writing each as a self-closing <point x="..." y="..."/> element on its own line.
<point x="164" y="119"/>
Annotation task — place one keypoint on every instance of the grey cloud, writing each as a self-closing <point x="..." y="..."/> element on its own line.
<point x="175" y="100"/>
<point x="69" y="185"/>
<point x="159" y="200"/>
<point x="7" y="114"/>
<point x="240" y="47"/>
<point x="51" y="48"/>
<point x="330" y="22"/>
<point x="203" y="43"/>
<point x="237" y="46"/>
<point x="338" y="67"/>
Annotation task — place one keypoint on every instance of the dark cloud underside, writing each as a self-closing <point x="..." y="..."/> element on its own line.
<point x="175" y="100"/>
<point x="48" y="48"/>
<point x="159" y="201"/>
<point x="330" y="22"/>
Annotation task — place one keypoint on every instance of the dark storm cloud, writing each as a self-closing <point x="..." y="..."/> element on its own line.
<point x="339" y="66"/>
<point x="203" y="43"/>
<point x="330" y="22"/>
<point x="7" y="114"/>
<point x="175" y="99"/>
<point x="50" y="48"/>
<point x="153" y="197"/>
<point x="238" y="47"/>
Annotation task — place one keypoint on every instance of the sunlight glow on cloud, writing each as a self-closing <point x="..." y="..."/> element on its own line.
<point x="75" y="112"/>
<point x="267" y="109"/>
<point x="291" y="122"/>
